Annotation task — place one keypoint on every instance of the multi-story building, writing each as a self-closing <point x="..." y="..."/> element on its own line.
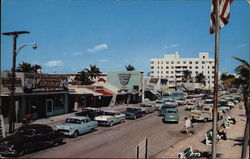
<point x="172" y="67"/>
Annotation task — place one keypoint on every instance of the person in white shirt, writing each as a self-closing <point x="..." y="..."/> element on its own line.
<point x="187" y="124"/>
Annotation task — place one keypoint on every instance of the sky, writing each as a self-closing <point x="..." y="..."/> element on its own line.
<point x="72" y="34"/>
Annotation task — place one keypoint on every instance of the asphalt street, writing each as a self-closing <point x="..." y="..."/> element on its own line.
<point x="120" y="141"/>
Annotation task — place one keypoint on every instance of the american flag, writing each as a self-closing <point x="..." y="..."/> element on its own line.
<point x="224" y="14"/>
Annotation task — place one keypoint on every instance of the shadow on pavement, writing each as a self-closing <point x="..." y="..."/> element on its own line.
<point x="238" y="140"/>
<point x="207" y="154"/>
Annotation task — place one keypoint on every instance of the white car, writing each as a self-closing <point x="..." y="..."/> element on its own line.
<point x="110" y="118"/>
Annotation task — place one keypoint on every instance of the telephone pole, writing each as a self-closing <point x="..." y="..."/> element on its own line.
<point x="13" y="79"/>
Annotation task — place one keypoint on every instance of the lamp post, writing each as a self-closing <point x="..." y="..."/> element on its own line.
<point x="13" y="79"/>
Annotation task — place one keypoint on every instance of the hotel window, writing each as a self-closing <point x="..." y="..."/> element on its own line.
<point x="161" y="67"/>
<point x="152" y="67"/>
<point x="196" y="72"/>
<point x="172" y="67"/>
<point x="167" y="72"/>
<point x="157" y="71"/>
<point x="152" y="62"/>
<point x="190" y="62"/>
<point x="161" y="71"/>
<point x="167" y="67"/>
<point x="152" y="72"/>
<point x="196" y="67"/>
<point x="184" y="62"/>
<point x="161" y="62"/>
<point x="172" y="71"/>
<point x="202" y="67"/>
<point x="203" y="62"/>
<point x="207" y="71"/>
<point x="158" y="62"/>
<point x="158" y="67"/>
<point x="208" y="67"/>
<point x="172" y="62"/>
<point x="196" y="62"/>
<point x="178" y="62"/>
<point x="190" y="67"/>
<point x="167" y="62"/>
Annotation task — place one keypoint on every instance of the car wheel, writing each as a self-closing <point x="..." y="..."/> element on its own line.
<point x="135" y="117"/>
<point x="20" y="153"/>
<point x="111" y="124"/>
<point x="76" y="133"/>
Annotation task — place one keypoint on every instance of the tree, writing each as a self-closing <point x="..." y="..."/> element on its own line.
<point x="130" y="68"/>
<point x="243" y="71"/>
<point x="93" y="71"/>
<point x="28" y="68"/>
<point x="83" y="78"/>
<point x="186" y="75"/>
<point x="200" y="78"/>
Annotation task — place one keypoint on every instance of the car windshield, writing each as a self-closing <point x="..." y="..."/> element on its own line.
<point x="25" y="132"/>
<point x="73" y="121"/>
<point x="109" y="113"/>
<point x="168" y="106"/>
<point x="159" y="102"/>
<point x="209" y="102"/>
<point x="171" y="112"/>
<point x="131" y="109"/>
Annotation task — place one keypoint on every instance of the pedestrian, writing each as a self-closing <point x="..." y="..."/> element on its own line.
<point x="222" y="133"/>
<point x="231" y="119"/>
<point x="187" y="125"/>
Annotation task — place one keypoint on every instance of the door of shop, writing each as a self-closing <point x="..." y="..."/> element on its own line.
<point x="49" y="107"/>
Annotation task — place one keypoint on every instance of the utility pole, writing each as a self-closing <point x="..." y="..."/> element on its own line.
<point x="216" y="69"/>
<point x="13" y="79"/>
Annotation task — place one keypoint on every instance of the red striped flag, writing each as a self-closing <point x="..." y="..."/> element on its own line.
<point x="224" y="14"/>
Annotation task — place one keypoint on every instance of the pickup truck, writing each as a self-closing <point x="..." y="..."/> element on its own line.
<point x="204" y="114"/>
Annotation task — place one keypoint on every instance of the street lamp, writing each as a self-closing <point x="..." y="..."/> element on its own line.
<point x="13" y="79"/>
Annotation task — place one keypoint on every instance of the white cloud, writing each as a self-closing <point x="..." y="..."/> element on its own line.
<point x="242" y="45"/>
<point x="170" y="46"/>
<point x="98" y="48"/>
<point x="103" y="60"/>
<point x="54" y="63"/>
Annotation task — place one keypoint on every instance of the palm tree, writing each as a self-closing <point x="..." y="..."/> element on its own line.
<point x="186" y="75"/>
<point x="93" y="71"/>
<point x="130" y="68"/>
<point x="83" y="78"/>
<point x="200" y="78"/>
<point x="28" y="68"/>
<point x="243" y="71"/>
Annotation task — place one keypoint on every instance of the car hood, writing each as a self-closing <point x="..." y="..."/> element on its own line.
<point x="64" y="126"/>
<point x="14" y="139"/>
<point x="102" y="117"/>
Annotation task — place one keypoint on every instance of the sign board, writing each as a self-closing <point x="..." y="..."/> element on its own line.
<point x="44" y="83"/>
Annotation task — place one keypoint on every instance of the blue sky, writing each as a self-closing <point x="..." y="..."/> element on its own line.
<point x="71" y="34"/>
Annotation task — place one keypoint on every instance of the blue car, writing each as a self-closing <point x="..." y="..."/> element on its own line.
<point x="166" y="106"/>
<point x="77" y="125"/>
<point x="171" y="115"/>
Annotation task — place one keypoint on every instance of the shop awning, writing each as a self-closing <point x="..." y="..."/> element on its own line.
<point x="154" y="92"/>
<point x="84" y="91"/>
<point x="104" y="93"/>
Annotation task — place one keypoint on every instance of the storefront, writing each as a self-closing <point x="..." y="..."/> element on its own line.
<point x="41" y="95"/>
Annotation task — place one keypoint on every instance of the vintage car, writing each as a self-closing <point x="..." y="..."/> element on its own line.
<point x="29" y="138"/>
<point x="148" y="108"/>
<point x="90" y="112"/>
<point x="134" y="113"/>
<point x="159" y="104"/>
<point x="110" y="118"/>
<point x="76" y="125"/>
<point x="171" y="115"/>
<point x="166" y="106"/>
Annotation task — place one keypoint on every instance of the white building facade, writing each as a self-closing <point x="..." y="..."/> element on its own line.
<point x="172" y="67"/>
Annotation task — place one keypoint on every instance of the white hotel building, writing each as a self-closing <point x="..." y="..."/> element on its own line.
<point x="172" y="67"/>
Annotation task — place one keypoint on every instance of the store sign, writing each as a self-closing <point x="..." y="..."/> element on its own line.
<point x="124" y="79"/>
<point x="45" y="82"/>
<point x="6" y="82"/>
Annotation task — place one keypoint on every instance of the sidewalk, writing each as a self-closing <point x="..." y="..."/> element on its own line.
<point x="230" y="148"/>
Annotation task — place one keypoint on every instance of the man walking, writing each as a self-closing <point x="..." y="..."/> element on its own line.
<point x="187" y="124"/>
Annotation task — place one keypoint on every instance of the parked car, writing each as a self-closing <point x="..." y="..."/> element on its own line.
<point x="76" y="125"/>
<point x="171" y="115"/>
<point x="90" y="112"/>
<point x="205" y="114"/>
<point x="110" y="118"/>
<point x="148" y="108"/>
<point x="167" y="106"/>
<point x="30" y="138"/>
<point x="159" y="104"/>
<point x="134" y="113"/>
